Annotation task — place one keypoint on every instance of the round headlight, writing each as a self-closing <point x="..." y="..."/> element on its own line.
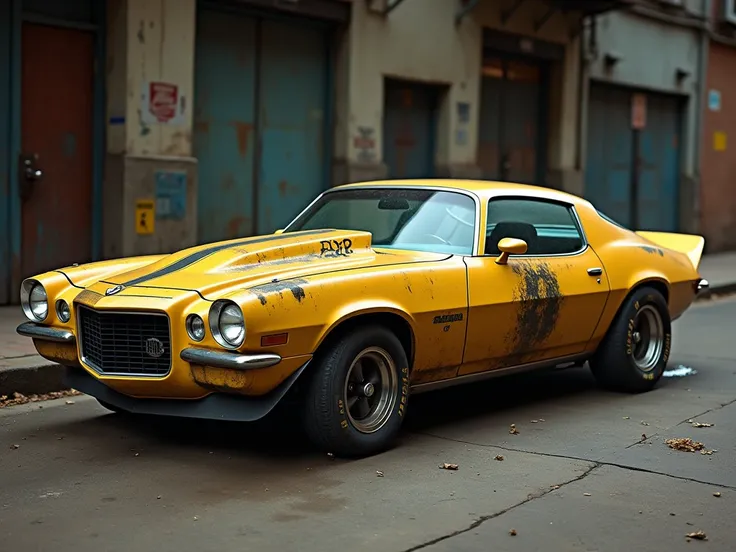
<point x="227" y="324"/>
<point x="195" y="327"/>
<point x="38" y="303"/>
<point x="62" y="311"/>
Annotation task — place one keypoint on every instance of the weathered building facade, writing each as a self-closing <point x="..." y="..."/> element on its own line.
<point x="718" y="188"/>
<point x="146" y="126"/>
<point x="643" y="68"/>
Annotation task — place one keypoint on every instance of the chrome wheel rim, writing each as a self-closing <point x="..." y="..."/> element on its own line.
<point x="647" y="338"/>
<point x="371" y="390"/>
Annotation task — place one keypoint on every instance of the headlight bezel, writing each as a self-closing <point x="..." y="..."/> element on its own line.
<point x="215" y="315"/>
<point x="189" y="324"/>
<point x="26" y="293"/>
<point x="59" y="305"/>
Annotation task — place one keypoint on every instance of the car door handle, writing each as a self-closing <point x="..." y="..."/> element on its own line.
<point x="595" y="271"/>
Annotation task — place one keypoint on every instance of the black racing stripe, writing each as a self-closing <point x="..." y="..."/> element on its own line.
<point x="199" y="255"/>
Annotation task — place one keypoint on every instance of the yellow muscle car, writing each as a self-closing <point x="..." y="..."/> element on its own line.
<point x="374" y="292"/>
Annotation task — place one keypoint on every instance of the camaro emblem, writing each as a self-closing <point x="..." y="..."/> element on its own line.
<point x="154" y="347"/>
<point x="113" y="290"/>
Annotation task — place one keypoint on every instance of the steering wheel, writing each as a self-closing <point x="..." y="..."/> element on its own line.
<point x="441" y="240"/>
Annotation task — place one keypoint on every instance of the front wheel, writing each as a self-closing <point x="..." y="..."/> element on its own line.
<point x="633" y="355"/>
<point x="357" y="398"/>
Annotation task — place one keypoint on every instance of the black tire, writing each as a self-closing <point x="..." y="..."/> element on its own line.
<point x="328" y="421"/>
<point x="619" y="363"/>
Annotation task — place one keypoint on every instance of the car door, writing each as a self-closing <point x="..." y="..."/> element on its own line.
<point x="539" y="306"/>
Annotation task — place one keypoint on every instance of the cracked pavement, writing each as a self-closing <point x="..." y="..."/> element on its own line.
<point x="589" y="470"/>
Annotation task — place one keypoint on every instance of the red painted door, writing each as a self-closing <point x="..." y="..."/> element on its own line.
<point x="56" y="140"/>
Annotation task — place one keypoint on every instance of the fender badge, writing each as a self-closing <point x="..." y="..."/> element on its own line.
<point x="113" y="290"/>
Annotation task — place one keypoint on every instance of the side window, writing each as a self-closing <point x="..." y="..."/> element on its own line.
<point x="547" y="228"/>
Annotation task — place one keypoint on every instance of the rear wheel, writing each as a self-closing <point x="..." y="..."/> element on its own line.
<point x="357" y="398"/>
<point x="633" y="355"/>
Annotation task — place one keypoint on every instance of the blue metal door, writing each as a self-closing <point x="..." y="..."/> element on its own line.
<point x="224" y="124"/>
<point x="409" y="123"/>
<point x="292" y="121"/>
<point x="659" y="158"/>
<point x="510" y="141"/>
<point x="259" y="129"/>
<point x="623" y="168"/>
<point x="609" y="156"/>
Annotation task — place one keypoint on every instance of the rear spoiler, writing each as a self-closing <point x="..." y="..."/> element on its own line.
<point x="689" y="244"/>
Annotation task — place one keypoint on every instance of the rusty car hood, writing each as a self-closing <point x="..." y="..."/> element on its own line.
<point x="217" y="268"/>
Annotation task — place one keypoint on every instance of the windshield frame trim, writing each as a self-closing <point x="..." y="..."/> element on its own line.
<point x="472" y="195"/>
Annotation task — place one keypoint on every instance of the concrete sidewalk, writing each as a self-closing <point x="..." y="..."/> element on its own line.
<point x="23" y="371"/>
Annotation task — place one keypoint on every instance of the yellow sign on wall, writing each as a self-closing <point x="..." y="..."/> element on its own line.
<point x="144" y="216"/>
<point x="719" y="141"/>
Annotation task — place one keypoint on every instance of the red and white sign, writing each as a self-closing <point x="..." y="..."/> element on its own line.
<point x="163" y="102"/>
<point x="638" y="111"/>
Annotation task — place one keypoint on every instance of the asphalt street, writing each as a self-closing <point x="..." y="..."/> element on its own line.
<point x="588" y="471"/>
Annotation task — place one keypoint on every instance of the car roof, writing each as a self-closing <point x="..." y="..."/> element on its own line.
<point x="485" y="189"/>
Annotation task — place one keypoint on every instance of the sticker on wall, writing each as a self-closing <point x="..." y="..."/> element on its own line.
<point x="461" y="137"/>
<point x="463" y="112"/>
<point x="719" y="141"/>
<point x="171" y="194"/>
<point x="714" y="100"/>
<point x="365" y="143"/>
<point x="144" y="216"/>
<point x="162" y="103"/>
<point x="638" y="111"/>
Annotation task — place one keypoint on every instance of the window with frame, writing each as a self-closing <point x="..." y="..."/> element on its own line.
<point x="548" y="228"/>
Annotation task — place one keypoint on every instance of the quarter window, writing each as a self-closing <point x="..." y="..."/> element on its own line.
<point x="548" y="228"/>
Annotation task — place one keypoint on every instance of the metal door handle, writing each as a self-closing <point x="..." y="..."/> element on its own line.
<point x="595" y="271"/>
<point x="33" y="174"/>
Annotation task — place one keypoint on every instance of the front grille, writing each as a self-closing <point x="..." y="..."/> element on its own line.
<point x="125" y="344"/>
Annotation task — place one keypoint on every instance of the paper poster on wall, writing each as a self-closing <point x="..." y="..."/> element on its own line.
<point x="720" y="140"/>
<point x="162" y="103"/>
<point x="171" y="194"/>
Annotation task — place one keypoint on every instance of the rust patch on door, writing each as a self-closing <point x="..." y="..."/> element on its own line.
<point x="539" y="301"/>
<point x="242" y="132"/>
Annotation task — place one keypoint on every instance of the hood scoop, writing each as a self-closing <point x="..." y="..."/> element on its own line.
<point x="326" y="247"/>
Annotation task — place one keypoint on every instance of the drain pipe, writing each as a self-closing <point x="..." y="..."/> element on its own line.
<point x="707" y="6"/>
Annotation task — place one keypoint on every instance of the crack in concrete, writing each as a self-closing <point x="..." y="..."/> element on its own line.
<point x="483" y="519"/>
<point x="598" y="462"/>
<point x="714" y="409"/>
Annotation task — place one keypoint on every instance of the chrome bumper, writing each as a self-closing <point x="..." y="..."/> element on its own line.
<point x="37" y="331"/>
<point x="702" y="285"/>
<point x="225" y="359"/>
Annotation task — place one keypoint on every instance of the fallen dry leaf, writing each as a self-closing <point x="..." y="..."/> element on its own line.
<point x="697" y="535"/>
<point x="627" y="417"/>
<point x="513" y="430"/>
<point x="717" y="495"/>
<point x="707" y="452"/>
<point x="15" y="447"/>
<point x="19" y="398"/>
<point x="512" y="532"/>
<point x="499" y="457"/>
<point x="379" y="473"/>
<point x="684" y="444"/>
<point x="587" y="494"/>
<point x="554" y="487"/>
<point x="700" y="424"/>
<point x="446" y="466"/>
<point x="644" y="423"/>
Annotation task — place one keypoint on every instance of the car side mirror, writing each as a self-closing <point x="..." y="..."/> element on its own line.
<point x="510" y="246"/>
<point x="279" y="231"/>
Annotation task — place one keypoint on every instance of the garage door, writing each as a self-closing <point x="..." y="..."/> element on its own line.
<point x="259" y="129"/>
<point x="616" y="156"/>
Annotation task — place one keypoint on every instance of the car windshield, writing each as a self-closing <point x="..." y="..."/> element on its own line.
<point x="398" y="218"/>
